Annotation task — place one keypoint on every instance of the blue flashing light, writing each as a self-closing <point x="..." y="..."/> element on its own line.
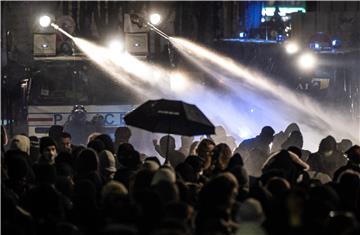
<point x="333" y="42"/>
<point x="280" y="37"/>
<point x="242" y="34"/>
<point x="317" y="46"/>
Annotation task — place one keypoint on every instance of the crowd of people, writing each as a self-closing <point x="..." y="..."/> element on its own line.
<point x="266" y="185"/>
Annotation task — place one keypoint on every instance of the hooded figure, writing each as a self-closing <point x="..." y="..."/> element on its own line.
<point x="289" y="163"/>
<point x="327" y="159"/>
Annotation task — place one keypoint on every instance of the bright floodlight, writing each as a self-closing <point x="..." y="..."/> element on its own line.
<point x="307" y="61"/>
<point x="45" y="21"/>
<point x="155" y="19"/>
<point x="177" y="82"/>
<point x="292" y="48"/>
<point x="116" y="45"/>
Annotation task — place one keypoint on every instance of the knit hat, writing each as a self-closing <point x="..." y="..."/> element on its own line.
<point x="45" y="142"/>
<point x="21" y="143"/>
<point x="107" y="161"/>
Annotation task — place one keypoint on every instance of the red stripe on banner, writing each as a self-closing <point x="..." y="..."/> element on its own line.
<point x="40" y="119"/>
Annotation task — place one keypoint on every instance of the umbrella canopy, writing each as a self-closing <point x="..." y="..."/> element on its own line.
<point x="171" y="117"/>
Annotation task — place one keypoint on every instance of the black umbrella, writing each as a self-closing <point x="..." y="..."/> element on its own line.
<point x="171" y="117"/>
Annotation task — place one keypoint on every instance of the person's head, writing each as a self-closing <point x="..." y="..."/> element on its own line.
<point x="15" y="164"/>
<point x="235" y="160"/>
<point x="96" y="145"/>
<point x="55" y="132"/>
<point x="107" y="164"/>
<point x="186" y="172"/>
<point x="221" y="156"/>
<point x="241" y="176"/>
<point x="48" y="148"/>
<point x="205" y="152"/>
<point x="163" y="174"/>
<point x="327" y="145"/>
<point x="65" y="142"/>
<point x="122" y="134"/>
<point x="295" y="150"/>
<point x="195" y="162"/>
<point x="130" y="160"/>
<point x="267" y="134"/>
<point x="291" y="128"/>
<point x="278" y="186"/>
<point x="64" y="157"/>
<point x="78" y="114"/>
<point x="295" y="139"/>
<point x="21" y="143"/>
<point x="106" y="139"/>
<point x="251" y="211"/>
<point x="112" y="190"/>
<point x="124" y="149"/>
<point x="210" y="197"/>
<point x="92" y="136"/>
<point x="87" y="161"/>
<point x="344" y="145"/>
<point x="167" y="143"/>
<point x="153" y="159"/>
<point x="353" y="154"/>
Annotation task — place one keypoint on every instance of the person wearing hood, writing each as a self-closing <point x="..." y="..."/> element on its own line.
<point x="288" y="162"/>
<point x="353" y="163"/>
<point x="327" y="159"/>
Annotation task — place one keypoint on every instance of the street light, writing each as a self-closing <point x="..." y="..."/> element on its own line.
<point x="116" y="45"/>
<point x="155" y="19"/>
<point x="291" y="48"/>
<point x="45" y="21"/>
<point x="307" y="61"/>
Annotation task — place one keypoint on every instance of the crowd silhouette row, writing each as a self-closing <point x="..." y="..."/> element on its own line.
<point x="268" y="184"/>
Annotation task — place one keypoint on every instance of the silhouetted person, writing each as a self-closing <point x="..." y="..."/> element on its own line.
<point x="77" y="125"/>
<point x="344" y="145"/>
<point x="214" y="214"/>
<point x="256" y="150"/>
<point x="122" y="135"/>
<point x="166" y="149"/>
<point x="221" y="137"/>
<point x="287" y="162"/>
<point x="282" y="136"/>
<point x="55" y="132"/>
<point x="353" y="162"/>
<point x="327" y="159"/>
